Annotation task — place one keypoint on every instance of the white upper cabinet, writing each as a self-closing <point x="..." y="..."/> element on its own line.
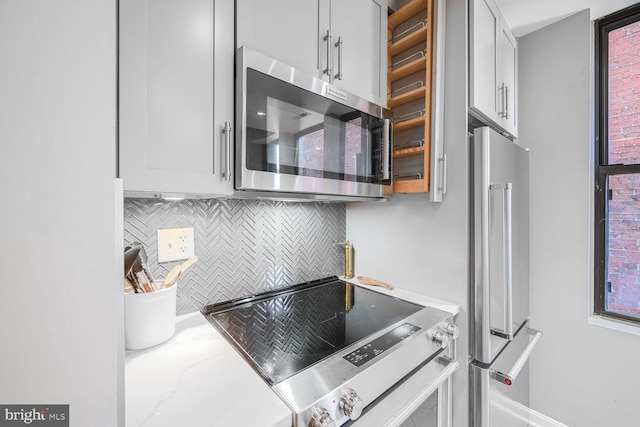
<point x="342" y="42"/>
<point x="493" y="62"/>
<point x="176" y="97"/>
<point x="485" y="23"/>
<point x="358" y="51"/>
<point x="509" y="62"/>
<point x="286" y="30"/>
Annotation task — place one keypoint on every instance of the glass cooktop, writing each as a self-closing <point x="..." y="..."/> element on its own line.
<point x="283" y="332"/>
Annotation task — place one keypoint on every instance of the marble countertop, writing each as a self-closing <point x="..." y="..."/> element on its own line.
<point x="196" y="378"/>
<point x="412" y="296"/>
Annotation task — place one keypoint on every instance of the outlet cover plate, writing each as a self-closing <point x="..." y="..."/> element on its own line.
<point x="175" y="244"/>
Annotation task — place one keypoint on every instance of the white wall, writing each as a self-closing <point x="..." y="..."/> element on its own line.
<point x="422" y="246"/>
<point x="582" y="375"/>
<point x="61" y="329"/>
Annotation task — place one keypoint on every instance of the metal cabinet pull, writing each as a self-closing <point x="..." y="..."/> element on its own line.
<point x="327" y="38"/>
<point x="443" y="187"/>
<point x="227" y="132"/>
<point x="506" y="102"/>
<point x="510" y="377"/>
<point x="501" y="112"/>
<point x="339" y="46"/>
<point x="507" y="244"/>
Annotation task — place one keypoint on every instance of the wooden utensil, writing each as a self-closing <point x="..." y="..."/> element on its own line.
<point x="373" y="282"/>
<point x="172" y="276"/>
<point x="177" y="271"/>
<point x="188" y="263"/>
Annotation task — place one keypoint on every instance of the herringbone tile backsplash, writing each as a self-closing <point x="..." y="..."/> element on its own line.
<point x="243" y="247"/>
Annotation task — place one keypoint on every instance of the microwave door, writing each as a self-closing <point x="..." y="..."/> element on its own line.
<point x="298" y="139"/>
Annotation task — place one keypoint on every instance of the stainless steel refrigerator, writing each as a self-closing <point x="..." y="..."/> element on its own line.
<point x="501" y="339"/>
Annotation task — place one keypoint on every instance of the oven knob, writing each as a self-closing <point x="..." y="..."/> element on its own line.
<point x="350" y="404"/>
<point x="452" y="330"/>
<point x="440" y="339"/>
<point x="321" y="418"/>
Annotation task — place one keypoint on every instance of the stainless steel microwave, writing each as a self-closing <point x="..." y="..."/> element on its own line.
<point x="299" y="137"/>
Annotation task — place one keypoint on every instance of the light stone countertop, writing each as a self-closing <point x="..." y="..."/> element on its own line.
<point x="427" y="301"/>
<point x="197" y="379"/>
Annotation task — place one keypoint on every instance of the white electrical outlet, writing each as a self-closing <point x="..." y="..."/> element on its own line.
<point x="175" y="244"/>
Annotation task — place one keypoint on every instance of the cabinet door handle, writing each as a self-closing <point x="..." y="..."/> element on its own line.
<point x="339" y="46"/>
<point x="443" y="187"/>
<point x="502" y="103"/>
<point x="227" y="132"/>
<point x="506" y="102"/>
<point x="327" y="38"/>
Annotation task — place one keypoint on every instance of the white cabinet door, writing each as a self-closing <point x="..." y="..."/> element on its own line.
<point x="176" y="96"/>
<point x="485" y="23"/>
<point x="295" y="32"/>
<point x="286" y="30"/>
<point x="493" y="92"/>
<point x="359" y="60"/>
<point x="509" y="75"/>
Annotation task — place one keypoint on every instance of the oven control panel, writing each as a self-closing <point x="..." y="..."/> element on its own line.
<point x="372" y="349"/>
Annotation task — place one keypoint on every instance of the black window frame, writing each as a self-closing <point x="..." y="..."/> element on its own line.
<point x="603" y="170"/>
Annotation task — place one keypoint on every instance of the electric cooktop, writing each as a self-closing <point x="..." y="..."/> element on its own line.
<point x="282" y="332"/>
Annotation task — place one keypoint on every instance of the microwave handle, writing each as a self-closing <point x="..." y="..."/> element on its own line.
<point x="387" y="132"/>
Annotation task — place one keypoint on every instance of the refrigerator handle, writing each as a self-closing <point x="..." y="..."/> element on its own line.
<point x="510" y="377"/>
<point x="507" y="243"/>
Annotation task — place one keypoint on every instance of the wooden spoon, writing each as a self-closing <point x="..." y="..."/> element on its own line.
<point x="373" y="282"/>
<point x="172" y="276"/>
<point x="177" y="271"/>
<point x="188" y="263"/>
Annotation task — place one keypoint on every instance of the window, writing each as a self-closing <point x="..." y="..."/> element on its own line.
<point x="617" y="185"/>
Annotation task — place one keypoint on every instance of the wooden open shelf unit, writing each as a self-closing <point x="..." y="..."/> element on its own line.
<point x="419" y="69"/>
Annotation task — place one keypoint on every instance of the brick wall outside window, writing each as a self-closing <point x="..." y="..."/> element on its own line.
<point x="624" y="148"/>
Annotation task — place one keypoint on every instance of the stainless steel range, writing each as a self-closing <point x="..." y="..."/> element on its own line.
<point x="333" y="351"/>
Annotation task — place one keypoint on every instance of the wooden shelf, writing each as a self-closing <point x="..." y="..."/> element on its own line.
<point x="409" y="41"/>
<point x="409" y="73"/>
<point x="406" y="97"/>
<point x="405" y="12"/>
<point x="407" y="152"/>
<point x="408" y="124"/>
<point x="408" y="69"/>
<point x="409" y="186"/>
